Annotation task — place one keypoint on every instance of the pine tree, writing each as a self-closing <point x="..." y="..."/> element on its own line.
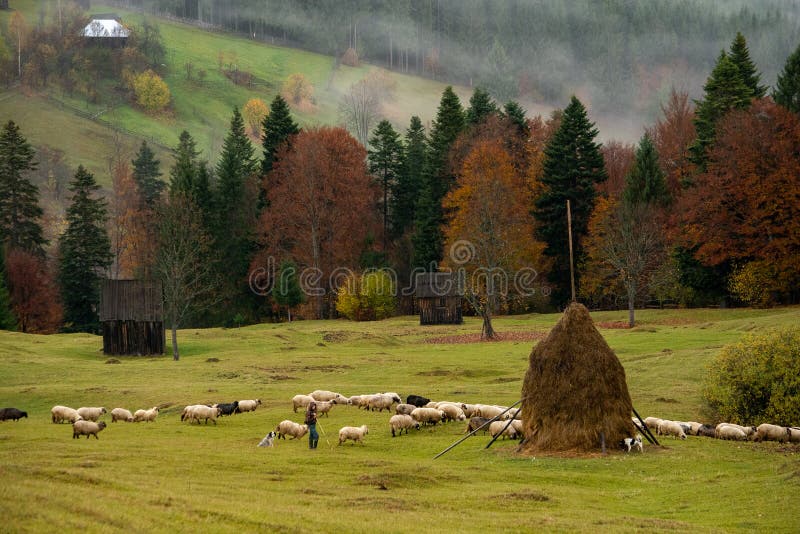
<point x="724" y="90"/>
<point x="20" y="212"/>
<point x="787" y="90"/>
<point x="235" y="165"/>
<point x="8" y="320"/>
<point x="277" y="127"/>
<point x="146" y="172"/>
<point x="428" y="239"/>
<point x="481" y="106"/>
<point x="385" y="160"/>
<point x="287" y="291"/>
<point x="740" y="56"/>
<point x="646" y="183"/>
<point x="573" y="165"/>
<point x="84" y="253"/>
<point x="514" y="112"/>
<point x="409" y="182"/>
<point x="184" y="170"/>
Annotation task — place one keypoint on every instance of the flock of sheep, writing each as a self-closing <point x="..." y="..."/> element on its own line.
<point x="763" y="432"/>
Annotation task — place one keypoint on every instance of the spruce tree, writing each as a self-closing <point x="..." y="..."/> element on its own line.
<point x="385" y="160"/>
<point x="286" y="290"/>
<point x="409" y="182"/>
<point x="277" y="127"/>
<point x="573" y="166"/>
<point x="146" y="172"/>
<point x="20" y="212"/>
<point x="8" y="320"/>
<point x="481" y="106"/>
<point x="787" y="90"/>
<point x="514" y="112"/>
<point x="84" y="253"/>
<point x="724" y="90"/>
<point x="235" y="165"/>
<point x="428" y="239"/>
<point x="183" y="171"/>
<point x="646" y="183"/>
<point x="740" y="56"/>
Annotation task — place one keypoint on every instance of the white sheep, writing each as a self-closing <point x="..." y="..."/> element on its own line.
<point x="201" y="411"/>
<point x="323" y="407"/>
<point x="380" y="402"/>
<point x="490" y="412"/>
<point x="730" y="432"/>
<point x="355" y="400"/>
<point x="249" y="405"/>
<point x="65" y="413"/>
<point x="694" y="427"/>
<point x="402" y="422"/>
<point x="652" y="423"/>
<point x="469" y="410"/>
<point x="86" y="428"/>
<point x="91" y="414"/>
<point x="767" y="432"/>
<point x="121" y="414"/>
<point x="145" y="415"/>
<point x="749" y="431"/>
<point x="671" y="428"/>
<point x="301" y="401"/>
<point x="496" y="427"/>
<point x="395" y="397"/>
<point x="354" y="433"/>
<point x="452" y="412"/>
<point x="427" y="415"/>
<point x="324" y="395"/>
<point x="794" y="434"/>
<point x="290" y="428"/>
<point x="404" y="409"/>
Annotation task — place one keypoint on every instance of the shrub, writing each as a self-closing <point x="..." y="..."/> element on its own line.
<point x="297" y="89"/>
<point x="367" y="297"/>
<point x="757" y="380"/>
<point x="254" y="112"/>
<point x="151" y="92"/>
<point x="754" y="283"/>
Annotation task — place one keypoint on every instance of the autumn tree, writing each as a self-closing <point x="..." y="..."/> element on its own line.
<point x="573" y="166"/>
<point x="360" y="109"/>
<point x="322" y="203"/>
<point x="787" y="89"/>
<point x="126" y="223"/>
<point x="151" y="92"/>
<point x="673" y="134"/>
<point x="20" y="213"/>
<point x="254" y="113"/>
<point x="618" y="158"/>
<point x="84" y="254"/>
<point x="297" y="90"/>
<point x="34" y="294"/>
<point x="18" y="28"/>
<point x="385" y="159"/>
<point x="369" y="296"/>
<point x="277" y="127"/>
<point x="490" y="217"/>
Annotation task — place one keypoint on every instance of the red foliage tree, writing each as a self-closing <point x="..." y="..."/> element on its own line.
<point x="34" y="294"/>
<point x="672" y="134"/>
<point x="322" y="205"/>
<point x="619" y="159"/>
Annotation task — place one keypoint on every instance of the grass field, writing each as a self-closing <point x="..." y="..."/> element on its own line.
<point x="170" y="476"/>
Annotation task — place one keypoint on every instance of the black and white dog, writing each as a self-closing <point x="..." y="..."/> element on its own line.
<point x="635" y="443"/>
<point x="268" y="439"/>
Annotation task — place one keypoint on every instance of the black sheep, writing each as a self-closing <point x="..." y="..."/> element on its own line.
<point x="707" y="431"/>
<point x="228" y="408"/>
<point x="418" y="401"/>
<point x="12" y="413"/>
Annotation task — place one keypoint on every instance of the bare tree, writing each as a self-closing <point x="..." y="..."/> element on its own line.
<point x="183" y="265"/>
<point x="360" y="108"/>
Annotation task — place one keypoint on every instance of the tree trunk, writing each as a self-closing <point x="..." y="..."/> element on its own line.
<point x="289" y="313"/>
<point x="487" y="331"/>
<point x="631" y="301"/>
<point x="175" y="342"/>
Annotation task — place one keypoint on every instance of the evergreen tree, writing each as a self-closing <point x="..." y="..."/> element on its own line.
<point x="385" y="160"/>
<point x="235" y="165"/>
<point x="146" y="172"/>
<point x="286" y="290"/>
<point x="183" y="171"/>
<point x="500" y="80"/>
<point x="409" y="182"/>
<point x="724" y="90"/>
<point x="277" y="127"/>
<point x="84" y="253"/>
<point x="787" y="90"/>
<point x="481" y="106"/>
<point x="740" y="56"/>
<point x="202" y="193"/>
<point x="573" y="165"/>
<point x="7" y="319"/>
<point x="428" y="238"/>
<point x="19" y="198"/>
<point x="646" y="183"/>
<point x="514" y="112"/>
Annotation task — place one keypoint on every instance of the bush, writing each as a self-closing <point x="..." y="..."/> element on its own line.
<point x="754" y="284"/>
<point x="151" y="92"/>
<point x="297" y="89"/>
<point x="367" y="297"/>
<point x="757" y="380"/>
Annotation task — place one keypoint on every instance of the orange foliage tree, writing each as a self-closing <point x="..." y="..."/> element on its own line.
<point x="253" y="113"/>
<point x="746" y="207"/>
<point x="672" y="134"/>
<point x="132" y="245"/>
<point x="489" y="231"/>
<point x="34" y="294"/>
<point x="322" y="206"/>
<point x="618" y="158"/>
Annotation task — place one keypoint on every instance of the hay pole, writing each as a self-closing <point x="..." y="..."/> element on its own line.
<point x="494" y="438"/>
<point x="649" y="435"/>
<point x="454" y="445"/>
<point x="571" y="261"/>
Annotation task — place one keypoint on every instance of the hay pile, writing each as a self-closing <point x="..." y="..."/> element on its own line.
<point x="574" y="390"/>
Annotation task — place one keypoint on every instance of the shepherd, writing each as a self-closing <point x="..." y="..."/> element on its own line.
<point x="311" y="421"/>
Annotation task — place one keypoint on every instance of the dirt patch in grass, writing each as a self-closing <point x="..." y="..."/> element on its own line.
<point x="340" y="336"/>
<point x="212" y="360"/>
<point x="112" y="361"/>
<point x="534" y="496"/>
<point x="613" y="325"/>
<point x="381" y="503"/>
<point x="476" y="338"/>
<point x="504" y="379"/>
<point x="666" y="401"/>
<point x="389" y="480"/>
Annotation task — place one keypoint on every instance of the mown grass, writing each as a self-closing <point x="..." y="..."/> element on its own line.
<point x="170" y="476"/>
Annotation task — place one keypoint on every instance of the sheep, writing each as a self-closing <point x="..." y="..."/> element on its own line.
<point x="186" y="414"/>
<point x="86" y="428"/>
<point x="200" y="411"/>
<point x="652" y="423"/>
<point x="341" y="399"/>
<point x="475" y="423"/>
<point x="323" y="407"/>
<point x="469" y="410"/>
<point x="427" y="415"/>
<point x="394" y="396"/>
<point x="146" y="415"/>
<point x="491" y="412"/>
<point x="91" y="414"/>
<point x="749" y="431"/>
<point x="452" y="412"/>
<point x="247" y="405"/>
<point x="355" y="400"/>
<point x="404" y="409"/>
<point x="706" y="431"/>
<point x="402" y="422"/>
<point x="794" y="434"/>
<point x="767" y="432"/>
<point x="354" y="433"/>
<point x="502" y="427"/>
<point x="694" y="427"/>
<point x="730" y="432"/>
<point x="323" y="395"/>
<point x="671" y="428"/>
<point x="290" y="428"/>
<point x="417" y="400"/>
<point x="301" y="401"/>
<point x="227" y="408"/>
<point x="12" y="413"/>
<point x="64" y="413"/>
<point x="380" y="402"/>
<point x="687" y="427"/>
<point x="121" y="414"/>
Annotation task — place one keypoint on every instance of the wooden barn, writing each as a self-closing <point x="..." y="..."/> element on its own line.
<point x="131" y="312"/>
<point x="438" y="298"/>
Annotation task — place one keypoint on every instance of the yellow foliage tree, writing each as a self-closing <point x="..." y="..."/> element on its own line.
<point x="297" y="89"/>
<point x="254" y="112"/>
<point x="367" y="297"/>
<point x="152" y="93"/>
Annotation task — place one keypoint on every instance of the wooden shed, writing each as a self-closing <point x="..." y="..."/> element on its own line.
<point x="438" y="298"/>
<point x="132" y="314"/>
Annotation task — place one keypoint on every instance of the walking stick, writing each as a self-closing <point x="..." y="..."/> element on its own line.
<point x="324" y="434"/>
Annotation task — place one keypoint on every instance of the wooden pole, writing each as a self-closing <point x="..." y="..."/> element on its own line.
<point x="510" y="422"/>
<point x="649" y="435"/>
<point x="571" y="261"/>
<point x="480" y="427"/>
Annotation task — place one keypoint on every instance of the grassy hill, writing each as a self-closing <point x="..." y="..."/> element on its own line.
<point x="170" y="475"/>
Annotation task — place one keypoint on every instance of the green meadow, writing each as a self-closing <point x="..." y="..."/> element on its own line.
<point x="170" y="476"/>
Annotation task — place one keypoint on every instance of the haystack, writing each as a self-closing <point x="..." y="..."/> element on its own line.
<point x="574" y="390"/>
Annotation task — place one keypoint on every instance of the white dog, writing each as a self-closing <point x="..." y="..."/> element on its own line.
<point x="635" y="443"/>
<point x="268" y="439"/>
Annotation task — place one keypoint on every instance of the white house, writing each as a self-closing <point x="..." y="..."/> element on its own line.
<point x="105" y="28"/>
